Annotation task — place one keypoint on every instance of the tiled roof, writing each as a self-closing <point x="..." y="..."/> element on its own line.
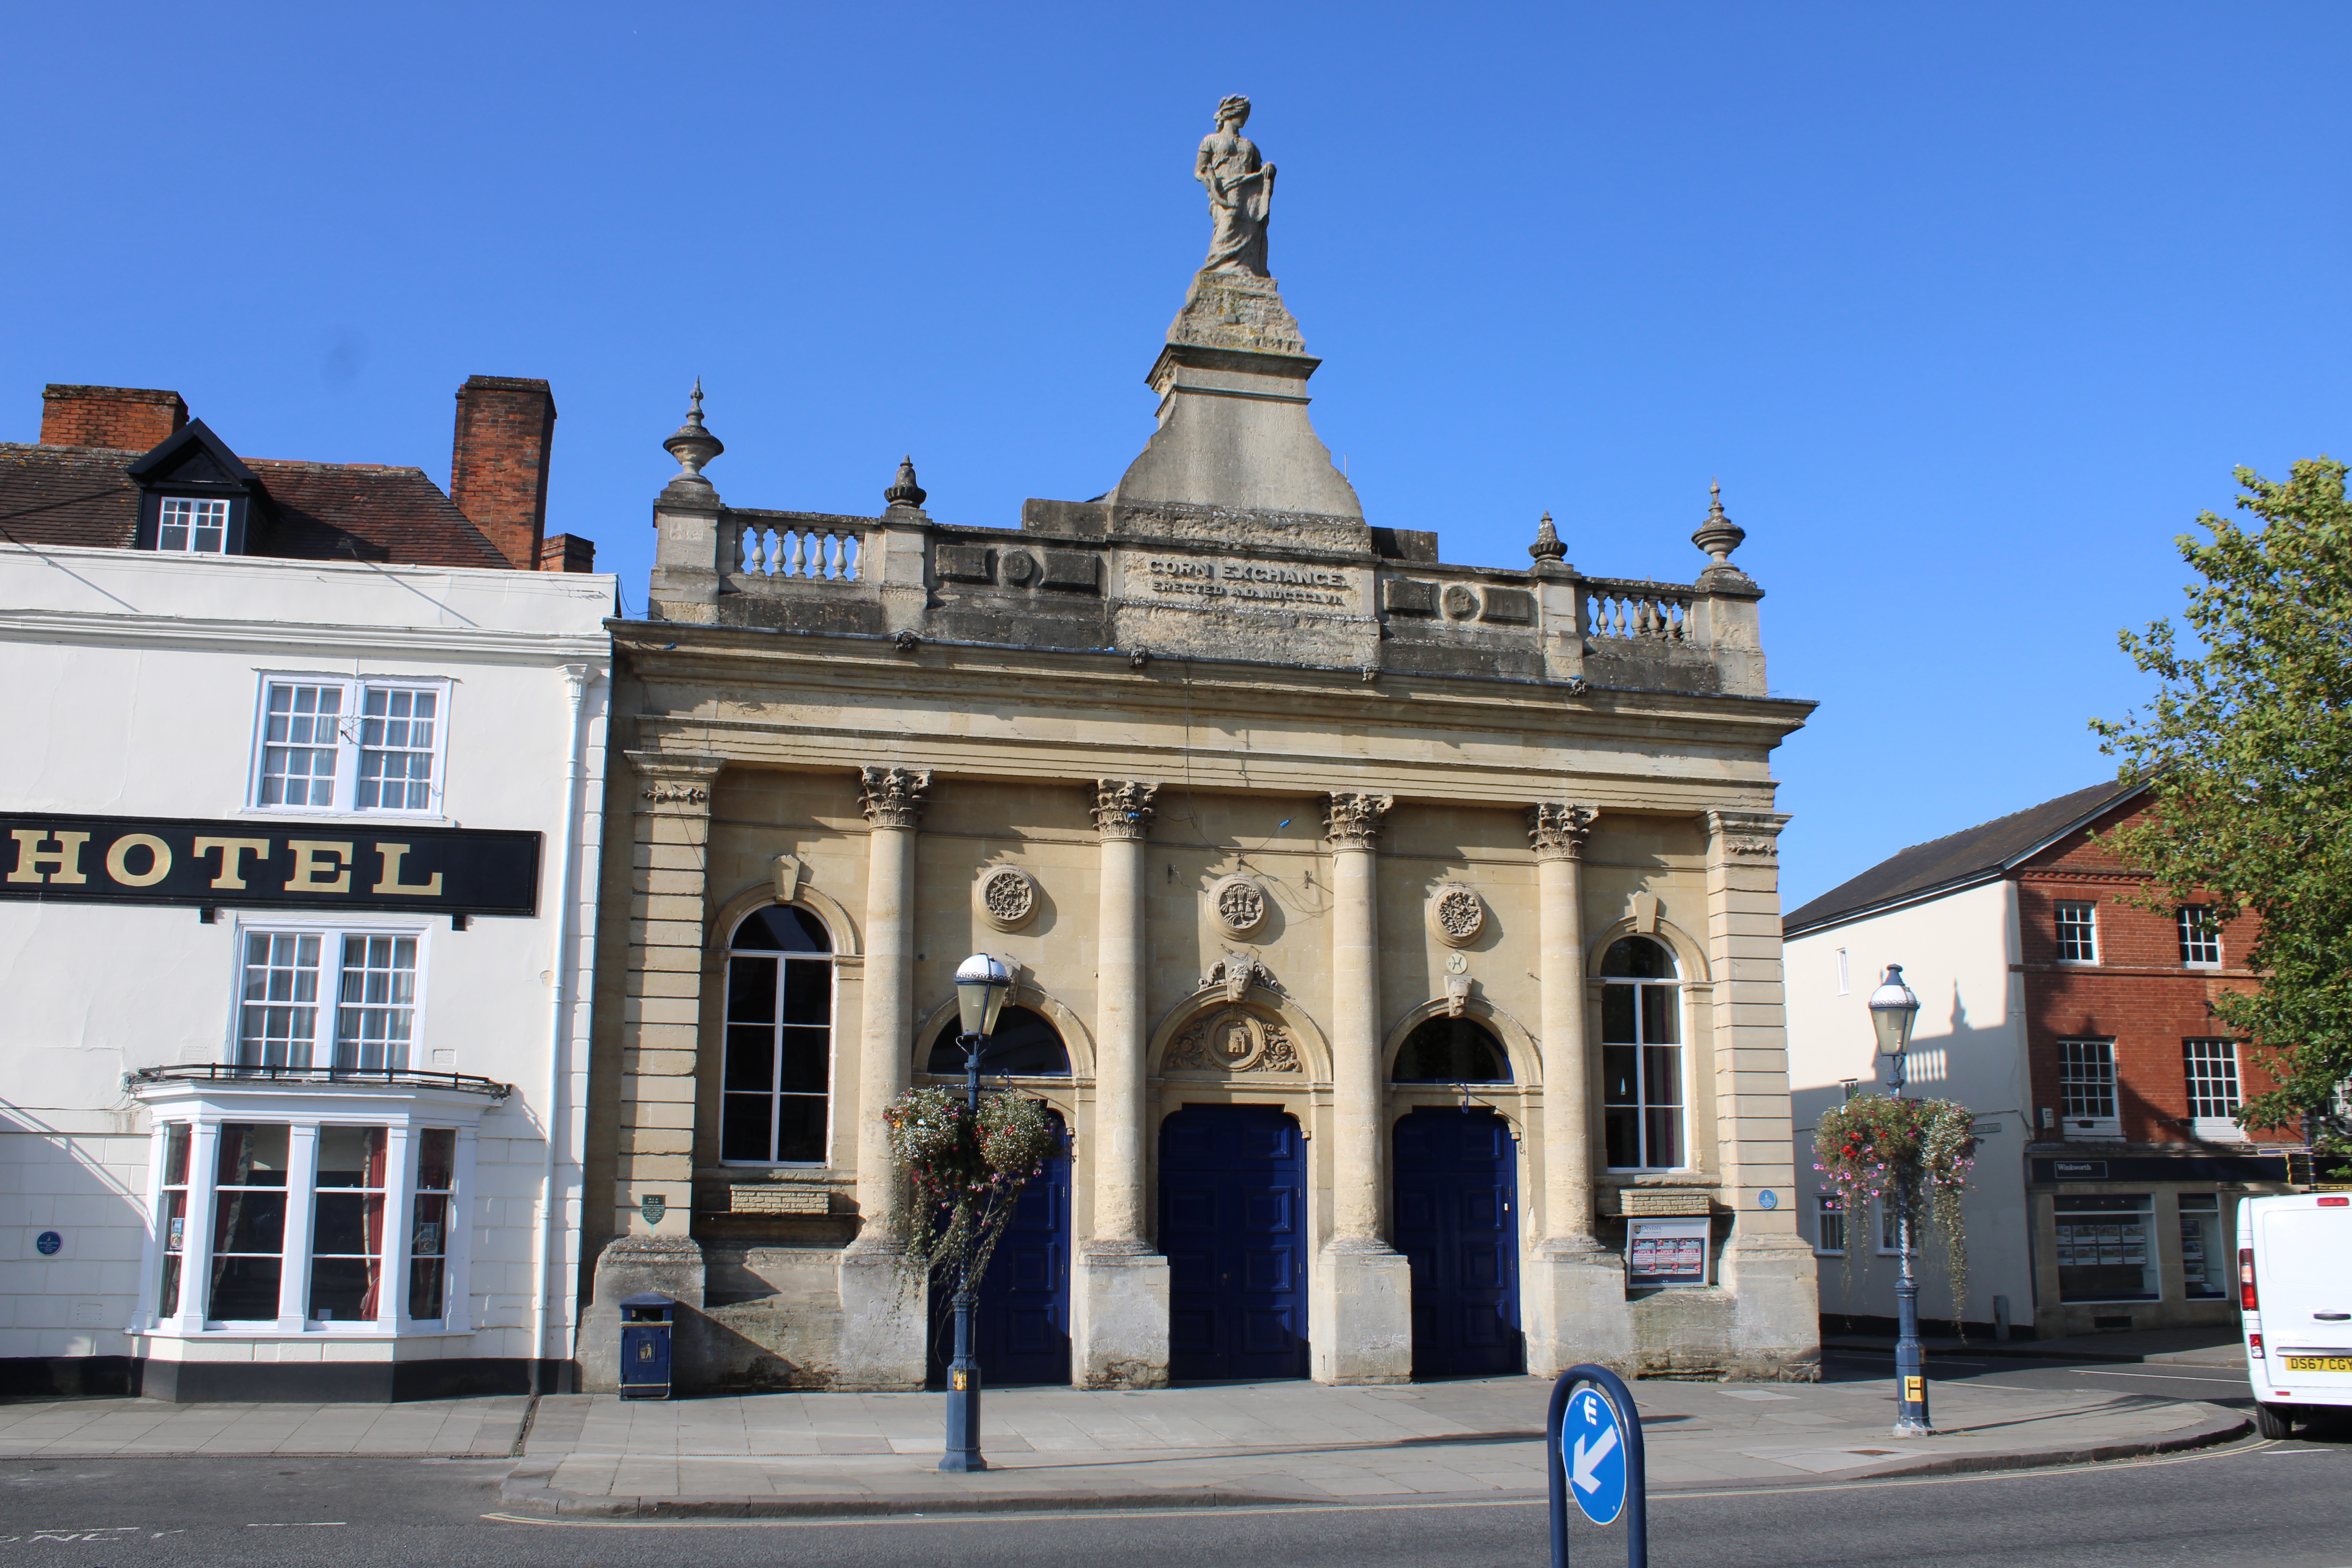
<point x="81" y="496"/>
<point x="1956" y="859"/>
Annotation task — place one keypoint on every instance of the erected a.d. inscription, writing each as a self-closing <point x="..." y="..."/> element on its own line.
<point x="1193" y="579"/>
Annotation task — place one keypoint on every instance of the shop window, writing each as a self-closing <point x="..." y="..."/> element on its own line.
<point x="2106" y="1248"/>
<point x="776" y="1080"/>
<point x="1451" y="1050"/>
<point x="1829" y="1224"/>
<point x="1024" y="1046"/>
<point x="2086" y="1089"/>
<point x="282" y="1017"/>
<point x="347" y="1226"/>
<point x="2200" y="937"/>
<point x="2212" y="1072"/>
<point x="172" y="1220"/>
<point x="2204" y="1256"/>
<point x="351" y="745"/>
<point x="1642" y="1057"/>
<point x="428" y="1244"/>
<point x="2078" y="933"/>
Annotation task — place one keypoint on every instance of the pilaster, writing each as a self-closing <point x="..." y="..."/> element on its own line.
<point x="1767" y="1266"/>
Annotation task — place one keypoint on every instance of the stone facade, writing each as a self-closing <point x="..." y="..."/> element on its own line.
<point x="1246" y="790"/>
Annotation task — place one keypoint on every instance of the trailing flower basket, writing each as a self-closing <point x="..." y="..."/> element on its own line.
<point x="964" y="1173"/>
<point x="1868" y="1147"/>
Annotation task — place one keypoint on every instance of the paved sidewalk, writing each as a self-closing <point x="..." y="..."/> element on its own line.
<point x="1288" y="1442"/>
<point x="96" y="1429"/>
<point x="2193" y="1347"/>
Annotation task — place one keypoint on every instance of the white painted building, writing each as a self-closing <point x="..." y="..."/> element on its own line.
<point x="298" y="843"/>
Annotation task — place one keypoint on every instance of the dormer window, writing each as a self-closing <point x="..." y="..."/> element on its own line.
<point x="192" y="527"/>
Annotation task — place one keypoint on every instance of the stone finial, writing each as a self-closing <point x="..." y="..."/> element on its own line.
<point x="1547" y="546"/>
<point x="693" y="446"/>
<point x="1558" y="829"/>
<point x="892" y="798"/>
<point x="1718" y="535"/>
<point x="1124" y="807"/>
<point x="904" y="492"/>
<point x="1353" y="821"/>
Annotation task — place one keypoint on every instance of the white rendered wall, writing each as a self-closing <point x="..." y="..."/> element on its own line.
<point x="129" y="685"/>
<point x="1969" y="1046"/>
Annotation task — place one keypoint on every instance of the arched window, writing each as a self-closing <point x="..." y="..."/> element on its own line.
<point x="1024" y="1046"/>
<point x="779" y="1057"/>
<point x="1451" y="1050"/>
<point x="1642" y="1056"/>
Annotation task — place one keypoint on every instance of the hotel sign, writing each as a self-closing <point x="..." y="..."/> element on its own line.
<point x="346" y="864"/>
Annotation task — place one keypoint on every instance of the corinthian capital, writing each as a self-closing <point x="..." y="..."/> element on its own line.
<point x="1557" y="829"/>
<point x="892" y="796"/>
<point x="1353" y="821"/>
<point x="1124" y="808"/>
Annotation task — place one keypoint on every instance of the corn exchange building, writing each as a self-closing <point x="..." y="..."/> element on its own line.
<point x="1397" y="942"/>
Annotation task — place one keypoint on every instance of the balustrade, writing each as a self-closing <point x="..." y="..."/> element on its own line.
<point x="1651" y="611"/>
<point x="816" y="553"/>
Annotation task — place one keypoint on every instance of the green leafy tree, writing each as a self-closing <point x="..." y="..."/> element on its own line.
<point x="2247" y="749"/>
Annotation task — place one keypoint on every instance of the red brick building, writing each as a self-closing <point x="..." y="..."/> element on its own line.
<point x="2078" y="1025"/>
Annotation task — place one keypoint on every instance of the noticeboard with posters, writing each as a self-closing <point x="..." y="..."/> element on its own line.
<point x="1665" y="1252"/>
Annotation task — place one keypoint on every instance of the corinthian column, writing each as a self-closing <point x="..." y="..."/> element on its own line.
<point x="881" y="1330"/>
<point x="1573" y="1304"/>
<point x="1361" y="1304"/>
<point x="1119" y="1317"/>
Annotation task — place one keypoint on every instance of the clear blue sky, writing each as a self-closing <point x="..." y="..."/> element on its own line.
<point x="1972" y="307"/>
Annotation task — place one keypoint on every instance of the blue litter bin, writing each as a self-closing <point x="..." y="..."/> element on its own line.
<point x="645" y="1324"/>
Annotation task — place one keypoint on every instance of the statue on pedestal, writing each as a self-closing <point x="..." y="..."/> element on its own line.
<point x="1241" y="192"/>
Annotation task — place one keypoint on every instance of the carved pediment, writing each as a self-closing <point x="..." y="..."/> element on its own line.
<point x="1234" y="1041"/>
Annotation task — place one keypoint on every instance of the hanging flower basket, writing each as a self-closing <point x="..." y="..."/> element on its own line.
<point x="1868" y="1147"/>
<point x="964" y="1172"/>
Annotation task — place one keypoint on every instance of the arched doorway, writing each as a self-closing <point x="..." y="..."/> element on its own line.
<point x="1023" y="1325"/>
<point x="1454" y="1179"/>
<point x="1233" y="1224"/>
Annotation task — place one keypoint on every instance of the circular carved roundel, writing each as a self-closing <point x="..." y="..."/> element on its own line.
<point x="1008" y="897"/>
<point x="1239" y="905"/>
<point x="1456" y="914"/>
<point x="1019" y="567"/>
<point x="1461" y="602"/>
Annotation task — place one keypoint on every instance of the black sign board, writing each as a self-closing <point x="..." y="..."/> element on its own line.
<point x="347" y="864"/>
<point x="2078" y="1170"/>
<point x="2165" y="1168"/>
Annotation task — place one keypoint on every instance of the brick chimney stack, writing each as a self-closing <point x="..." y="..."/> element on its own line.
<point x="127" y="419"/>
<point x="498" y="474"/>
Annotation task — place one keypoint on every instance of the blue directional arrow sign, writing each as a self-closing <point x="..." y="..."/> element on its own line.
<point x="1592" y="1450"/>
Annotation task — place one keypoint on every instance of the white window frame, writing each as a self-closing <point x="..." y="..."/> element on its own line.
<point x="2087" y="1123"/>
<point x="200" y="507"/>
<point x="2203" y="1125"/>
<point x="407" y="1113"/>
<point x="1828" y="1209"/>
<point x="1682" y="1057"/>
<point x="2199" y="931"/>
<point x="2090" y="925"/>
<point x="328" y="1007"/>
<point x="348" y="749"/>
<point x="831" y="962"/>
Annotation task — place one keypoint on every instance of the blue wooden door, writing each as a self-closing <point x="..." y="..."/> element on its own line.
<point x="1023" y="1334"/>
<point x="1232" y="1223"/>
<point x="1456" y="1185"/>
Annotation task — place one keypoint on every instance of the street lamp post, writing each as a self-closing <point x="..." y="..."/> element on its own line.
<point x="1892" y="1010"/>
<point x="980" y="983"/>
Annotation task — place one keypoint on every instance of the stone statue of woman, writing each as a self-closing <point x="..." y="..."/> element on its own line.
<point x="1241" y="192"/>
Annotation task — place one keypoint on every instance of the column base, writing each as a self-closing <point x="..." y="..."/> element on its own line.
<point x="883" y="1317"/>
<point x="1573" y="1304"/>
<point x="1777" y="1331"/>
<point x="630" y="1265"/>
<point x="1118" y="1319"/>
<point x="1359" y="1315"/>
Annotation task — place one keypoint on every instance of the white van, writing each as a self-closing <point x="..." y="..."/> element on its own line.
<point x="2295" y="1292"/>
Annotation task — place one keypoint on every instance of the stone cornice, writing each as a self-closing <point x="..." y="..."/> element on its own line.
<point x="481" y="646"/>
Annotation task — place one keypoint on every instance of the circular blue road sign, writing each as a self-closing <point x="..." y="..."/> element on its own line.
<point x="1593" y="1451"/>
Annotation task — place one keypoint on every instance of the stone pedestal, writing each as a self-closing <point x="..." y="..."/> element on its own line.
<point x="631" y="1265"/>
<point x="1360" y="1309"/>
<point x="883" y="1316"/>
<point x="1119" y="1319"/>
<point x="1777" y="1333"/>
<point x="1573" y="1309"/>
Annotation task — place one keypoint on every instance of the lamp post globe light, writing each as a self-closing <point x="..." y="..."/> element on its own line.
<point x="981" y="982"/>
<point x="1894" y="1008"/>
